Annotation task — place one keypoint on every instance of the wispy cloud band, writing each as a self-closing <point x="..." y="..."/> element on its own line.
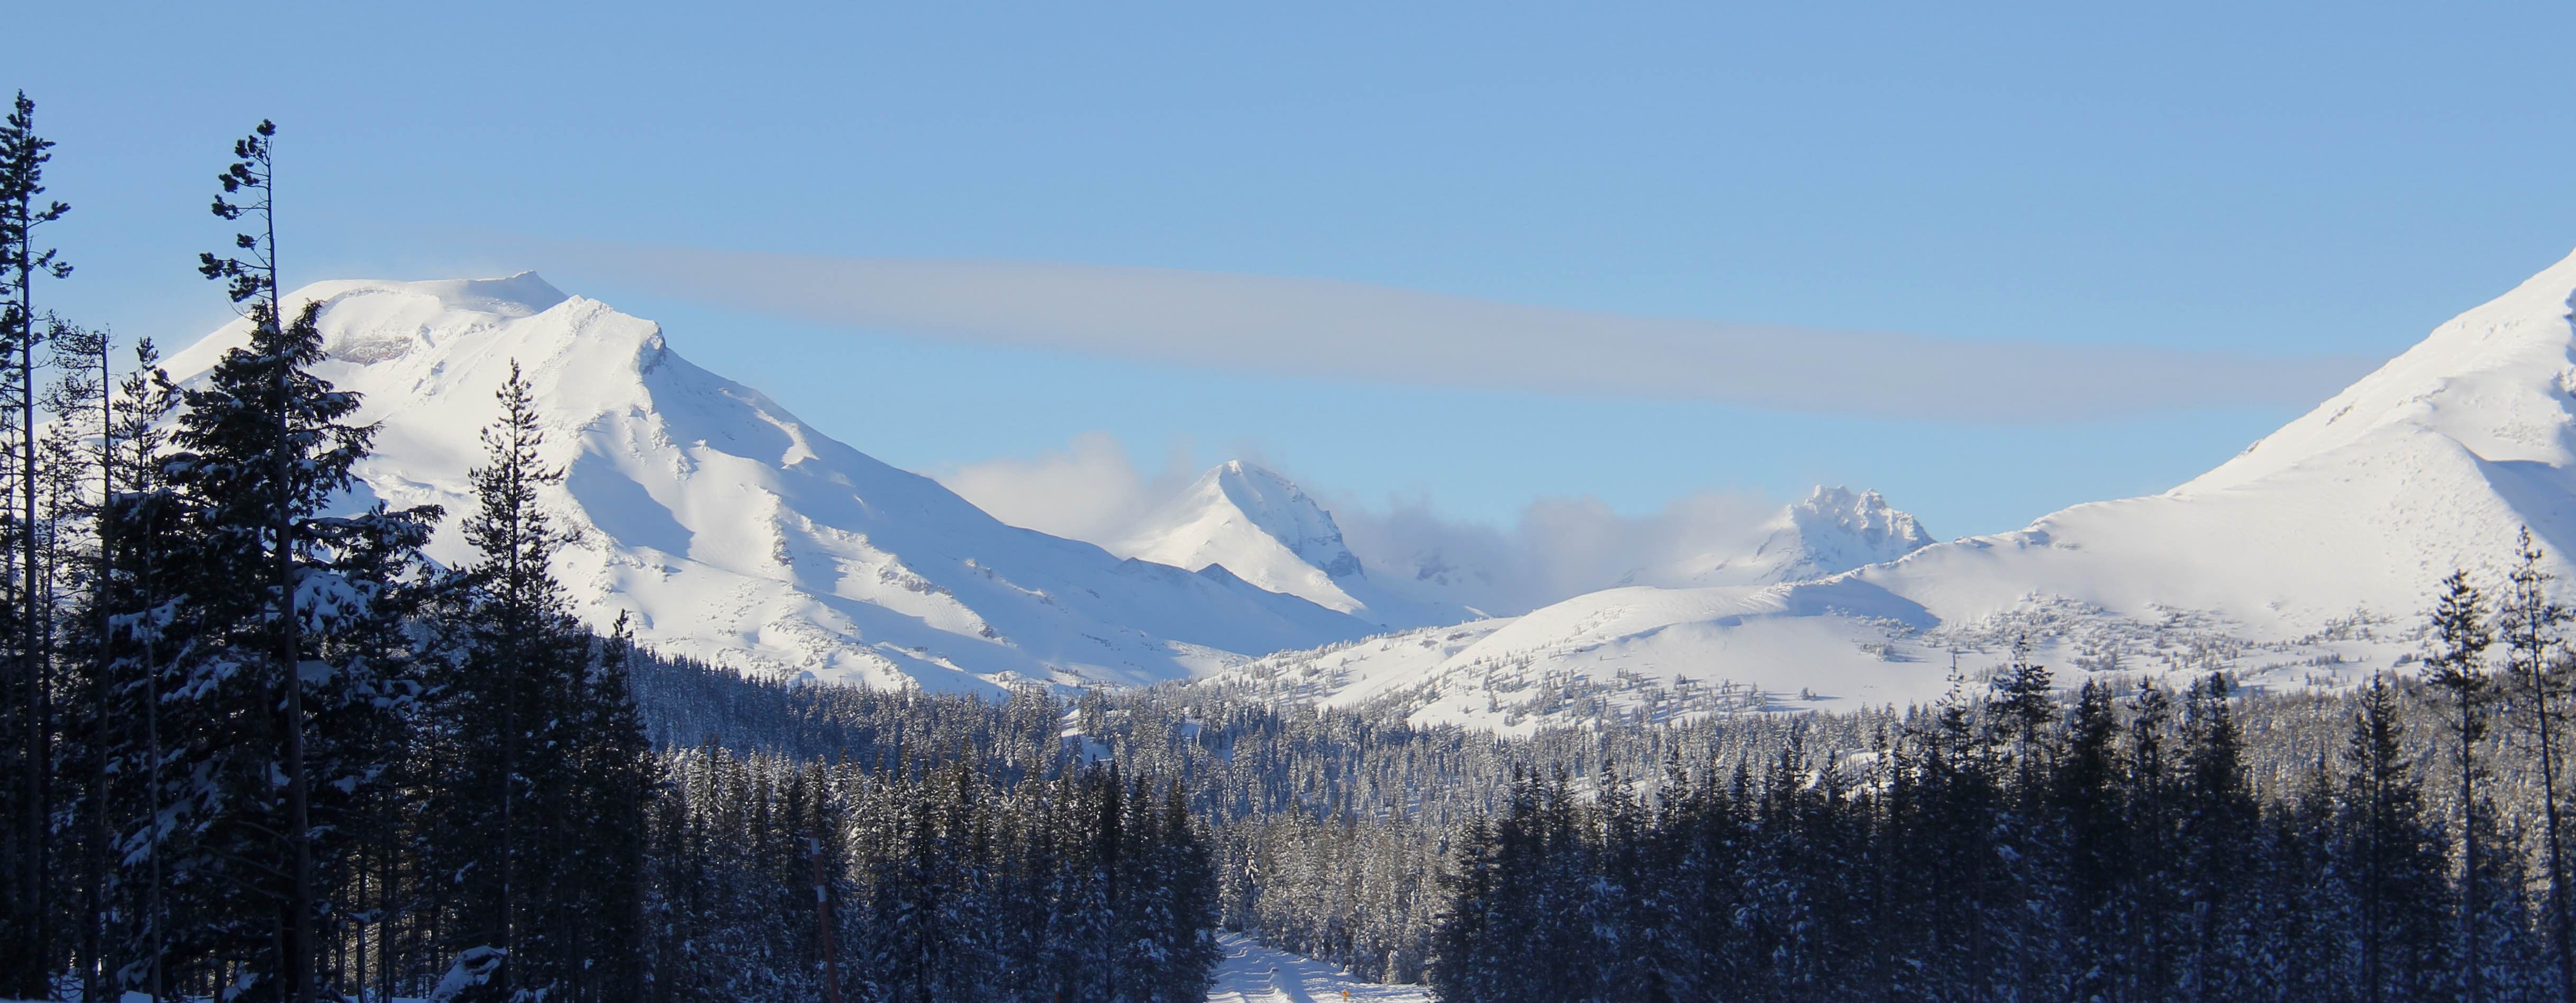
<point x="1358" y="331"/>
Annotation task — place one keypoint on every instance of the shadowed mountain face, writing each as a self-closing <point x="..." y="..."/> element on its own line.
<point x="733" y="531"/>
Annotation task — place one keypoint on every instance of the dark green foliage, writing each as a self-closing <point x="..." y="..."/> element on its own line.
<point x="2141" y="869"/>
<point x="2391" y="859"/>
<point x="532" y="752"/>
<point x="257" y="748"/>
<point x="942" y="884"/>
<point x="215" y="625"/>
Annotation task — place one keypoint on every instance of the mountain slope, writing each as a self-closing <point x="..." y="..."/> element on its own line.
<point x="1268" y="532"/>
<point x="2308" y="558"/>
<point x="736" y="533"/>
<point x="1257" y="524"/>
<point x="2435" y="460"/>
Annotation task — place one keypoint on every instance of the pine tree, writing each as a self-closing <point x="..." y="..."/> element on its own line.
<point x="75" y="449"/>
<point x="2529" y="624"/>
<point x="618" y="778"/>
<point x="2456" y="666"/>
<point x="287" y="625"/>
<point x="2317" y="926"/>
<point x="2217" y="820"/>
<point x="2396" y="858"/>
<point x="140" y="540"/>
<point x="2095" y="817"/>
<point x="2148" y="901"/>
<point x="2023" y="708"/>
<point x="27" y="948"/>
<point x="252" y="279"/>
<point x="1188" y="931"/>
<point x="544" y="745"/>
<point x="1459" y="960"/>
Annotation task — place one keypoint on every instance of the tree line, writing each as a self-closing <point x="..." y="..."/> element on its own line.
<point x="1337" y="829"/>
<point x="258" y="746"/>
<point x="2017" y="845"/>
<point x="795" y="879"/>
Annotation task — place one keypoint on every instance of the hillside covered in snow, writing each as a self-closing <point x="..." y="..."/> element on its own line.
<point x="736" y="533"/>
<point x="2309" y="558"/>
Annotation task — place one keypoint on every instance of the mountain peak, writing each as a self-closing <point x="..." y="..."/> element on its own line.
<point x="1835" y="514"/>
<point x="367" y="321"/>
<point x="1260" y="526"/>
<point x="733" y="531"/>
<point x="1279" y="509"/>
<point x="1831" y="531"/>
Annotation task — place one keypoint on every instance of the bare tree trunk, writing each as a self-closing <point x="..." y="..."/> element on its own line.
<point x="303" y="959"/>
<point x="152" y="783"/>
<point x="39" y="763"/>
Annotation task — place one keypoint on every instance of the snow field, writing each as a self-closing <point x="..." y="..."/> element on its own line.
<point x="1252" y="973"/>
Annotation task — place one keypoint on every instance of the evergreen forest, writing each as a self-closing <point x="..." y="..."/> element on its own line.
<point x="256" y="746"/>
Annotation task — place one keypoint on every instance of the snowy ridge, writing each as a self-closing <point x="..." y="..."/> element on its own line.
<point x="733" y="531"/>
<point x="2306" y="560"/>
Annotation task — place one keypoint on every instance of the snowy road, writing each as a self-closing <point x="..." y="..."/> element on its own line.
<point x="1252" y="973"/>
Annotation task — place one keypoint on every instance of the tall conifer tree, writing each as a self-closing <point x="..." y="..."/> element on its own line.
<point x="27" y="941"/>
<point x="2457" y="667"/>
<point x="2530" y="624"/>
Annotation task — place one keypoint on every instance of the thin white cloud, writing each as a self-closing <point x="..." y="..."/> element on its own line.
<point x="1557" y="548"/>
<point x="1356" y="331"/>
<point x="1089" y="490"/>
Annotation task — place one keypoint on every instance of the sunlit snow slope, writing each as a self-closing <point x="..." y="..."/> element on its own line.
<point x="1265" y="530"/>
<point x="2435" y="460"/>
<point x="2306" y="559"/>
<point x="735" y="532"/>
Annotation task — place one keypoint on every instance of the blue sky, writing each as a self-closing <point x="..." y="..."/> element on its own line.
<point x="2309" y="184"/>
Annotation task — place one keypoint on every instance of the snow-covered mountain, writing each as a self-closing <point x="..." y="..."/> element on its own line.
<point x="1265" y="530"/>
<point x="1829" y="532"/>
<point x="2309" y="558"/>
<point x="1825" y="535"/>
<point x="735" y="532"/>
<point x="1257" y="524"/>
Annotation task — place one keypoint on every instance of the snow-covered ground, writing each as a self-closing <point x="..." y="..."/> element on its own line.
<point x="1252" y="973"/>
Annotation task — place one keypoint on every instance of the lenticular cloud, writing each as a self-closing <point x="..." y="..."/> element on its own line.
<point x="1350" y="330"/>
